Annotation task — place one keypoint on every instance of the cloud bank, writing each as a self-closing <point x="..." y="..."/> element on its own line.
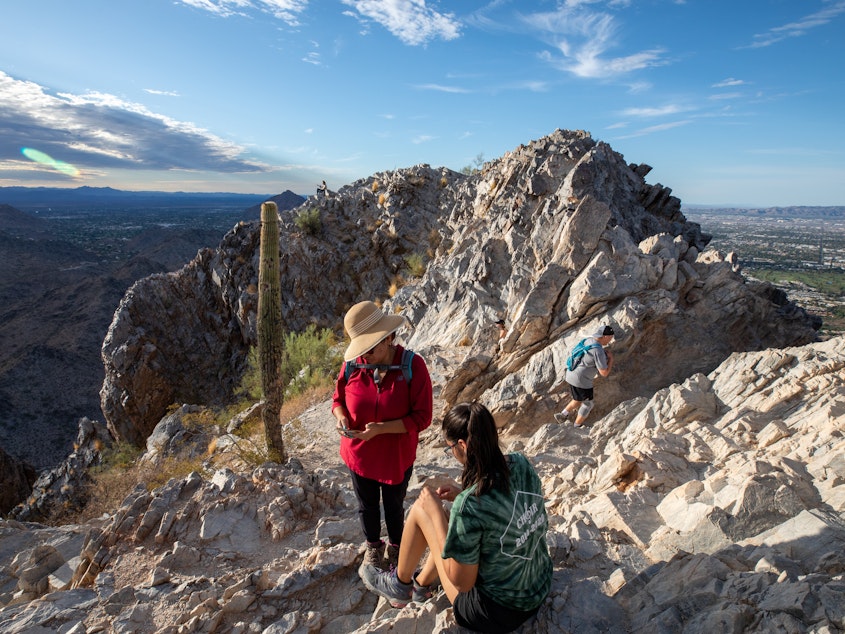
<point x="97" y="131"/>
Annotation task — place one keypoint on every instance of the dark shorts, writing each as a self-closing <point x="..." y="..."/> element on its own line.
<point x="581" y="393"/>
<point x="475" y="611"/>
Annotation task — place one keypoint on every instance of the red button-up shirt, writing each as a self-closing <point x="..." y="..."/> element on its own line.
<point x="385" y="457"/>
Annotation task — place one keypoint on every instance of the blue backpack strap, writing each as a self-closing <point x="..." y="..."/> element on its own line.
<point x="348" y="367"/>
<point x="407" y="358"/>
<point x="578" y="353"/>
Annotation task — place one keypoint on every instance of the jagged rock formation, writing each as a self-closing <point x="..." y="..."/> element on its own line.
<point x="715" y="505"/>
<point x="64" y="487"/>
<point x="554" y="236"/>
<point x="17" y="478"/>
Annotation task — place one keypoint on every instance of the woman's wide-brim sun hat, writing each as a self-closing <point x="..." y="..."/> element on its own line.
<point x="367" y="325"/>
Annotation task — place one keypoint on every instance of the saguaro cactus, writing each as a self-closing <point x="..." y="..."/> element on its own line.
<point x="270" y="334"/>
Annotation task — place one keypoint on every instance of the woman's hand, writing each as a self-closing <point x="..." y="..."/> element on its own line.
<point x="430" y="500"/>
<point x="447" y="493"/>
<point x="370" y="431"/>
<point x="341" y="424"/>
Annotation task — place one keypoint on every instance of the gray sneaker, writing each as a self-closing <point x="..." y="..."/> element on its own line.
<point x="562" y="416"/>
<point x="421" y="594"/>
<point x="374" y="555"/>
<point x="386" y="584"/>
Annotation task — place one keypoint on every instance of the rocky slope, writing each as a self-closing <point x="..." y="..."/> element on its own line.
<point x="707" y="493"/>
<point x="715" y="505"/>
<point x="57" y="300"/>
<point x="554" y="237"/>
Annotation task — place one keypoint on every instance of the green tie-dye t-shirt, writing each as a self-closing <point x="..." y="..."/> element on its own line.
<point x="505" y="534"/>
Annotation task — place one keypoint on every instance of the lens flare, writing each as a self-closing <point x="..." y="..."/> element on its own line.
<point x="49" y="161"/>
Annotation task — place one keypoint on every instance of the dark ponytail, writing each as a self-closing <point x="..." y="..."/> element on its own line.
<point x="485" y="465"/>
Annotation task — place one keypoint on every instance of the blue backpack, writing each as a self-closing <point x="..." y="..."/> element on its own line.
<point x="407" y="355"/>
<point x="578" y="353"/>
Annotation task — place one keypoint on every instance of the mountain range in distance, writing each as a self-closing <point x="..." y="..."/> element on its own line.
<point x="33" y="198"/>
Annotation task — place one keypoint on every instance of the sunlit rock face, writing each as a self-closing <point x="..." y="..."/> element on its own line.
<point x="555" y="237"/>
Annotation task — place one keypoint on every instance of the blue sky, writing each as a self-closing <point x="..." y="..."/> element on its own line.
<point x="731" y="102"/>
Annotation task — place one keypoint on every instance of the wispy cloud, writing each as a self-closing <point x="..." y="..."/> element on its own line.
<point x="97" y="131"/>
<point x="162" y="93"/>
<point x="313" y="58"/>
<point x="799" y="27"/>
<point x="655" y="128"/>
<point x="583" y="39"/>
<point x="661" y="111"/>
<point x="410" y="20"/>
<point x="285" y="10"/>
<point x="441" y="88"/>
<point x="729" y="82"/>
<point x="422" y="138"/>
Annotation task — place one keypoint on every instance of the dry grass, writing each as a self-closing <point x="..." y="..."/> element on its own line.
<point x="397" y="283"/>
<point x="122" y="471"/>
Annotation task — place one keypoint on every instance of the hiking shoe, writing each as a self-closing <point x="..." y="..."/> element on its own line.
<point x="386" y="584"/>
<point x="392" y="556"/>
<point x="374" y="555"/>
<point x="562" y="416"/>
<point x="421" y="594"/>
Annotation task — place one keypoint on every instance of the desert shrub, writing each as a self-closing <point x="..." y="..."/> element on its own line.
<point x="120" y="455"/>
<point x="475" y="166"/>
<point x="310" y="359"/>
<point x="375" y="186"/>
<point x="381" y="199"/>
<point x="415" y="264"/>
<point x="308" y="221"/>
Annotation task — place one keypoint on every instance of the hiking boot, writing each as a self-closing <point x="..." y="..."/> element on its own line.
<point x="562" y="416"/>
<point x="374" y="554"/>
<point x="392" y="556"/>
<point x="386" y="584"/>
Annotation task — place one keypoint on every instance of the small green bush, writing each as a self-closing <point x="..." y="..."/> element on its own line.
<point x="308" y="221"/>
<point x="310" y="360"/>
<point x="121" y="455"/>
<point x="415" y="264"/>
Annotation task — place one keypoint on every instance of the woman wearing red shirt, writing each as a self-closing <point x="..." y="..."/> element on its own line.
<point x="380" y="415"/>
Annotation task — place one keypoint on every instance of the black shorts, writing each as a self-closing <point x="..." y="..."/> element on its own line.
<point x="581" y="393"/>
<point x="475" y="611"/>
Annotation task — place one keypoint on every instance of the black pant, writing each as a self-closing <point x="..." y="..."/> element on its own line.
<point x="369" y="511"/>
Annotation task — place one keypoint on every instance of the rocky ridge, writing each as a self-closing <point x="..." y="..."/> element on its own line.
<point x="553" y="237"/>
<point x="707" y="494"/>
<point x="716" y="505"/>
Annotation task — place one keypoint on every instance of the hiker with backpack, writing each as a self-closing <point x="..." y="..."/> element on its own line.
<point x="588" y="359"/>
<point x="382" y="401"/>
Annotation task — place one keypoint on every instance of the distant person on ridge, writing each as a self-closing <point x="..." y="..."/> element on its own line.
<point x="589" y="358"/>
<point x="381" y="404"/>
<point x="323" y="189"/>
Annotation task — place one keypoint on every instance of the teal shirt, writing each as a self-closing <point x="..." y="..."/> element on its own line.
<point x="505" y="534"/>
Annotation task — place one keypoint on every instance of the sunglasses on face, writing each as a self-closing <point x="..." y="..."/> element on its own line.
<point x="448" y="449"/>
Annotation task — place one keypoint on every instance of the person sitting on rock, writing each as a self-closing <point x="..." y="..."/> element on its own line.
<point x="594" y="360"/>
<point x="490" y="553"/>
